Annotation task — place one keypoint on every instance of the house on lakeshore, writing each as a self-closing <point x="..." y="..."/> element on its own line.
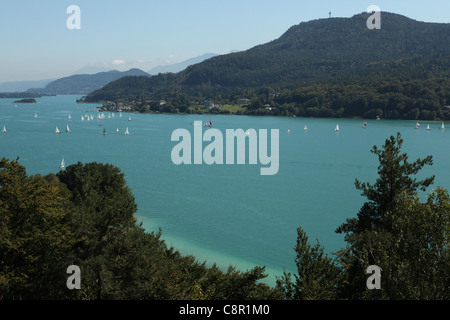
<point x="209" y="104"/>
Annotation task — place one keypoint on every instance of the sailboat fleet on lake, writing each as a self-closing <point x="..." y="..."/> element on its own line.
<point x="101" y="116"/>
<point x="87" y="117"/>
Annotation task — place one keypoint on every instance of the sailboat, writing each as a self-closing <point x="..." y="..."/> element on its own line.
<point x="67" y="128"/>
<point x="428" y="127"/>
<point x="442" y="126"/>
<point x="337" y="128"/>
<point x="63" y="164"/>
<point x="117" y="130"/>
<point x="82" y="118"/>
<point x="305" y="128"/>
<point x="70" y="117"/>
<point x="417" y="125"/>
<point x="104" y="131"/>
<point x="364" y="125"/>
<point x="57" y="130"/>
<point x="127" y="133"/>
<point x="129" y="119"/>
<point x="4" y="129"/>
<point x="35" y="115"/>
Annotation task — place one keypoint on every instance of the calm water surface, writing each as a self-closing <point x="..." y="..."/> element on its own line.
<point x="228" y="214"/>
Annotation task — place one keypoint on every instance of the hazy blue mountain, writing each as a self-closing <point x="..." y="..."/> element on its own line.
<point x="180" y="66"/>
<point x="85" y="83"/>
<point x="20" y="86"/>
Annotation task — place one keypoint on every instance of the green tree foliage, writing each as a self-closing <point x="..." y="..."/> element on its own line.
<point x="84" y="216"/>
<point x="394" y="230"/>
<point x="317" y="274"/>
<point x="36" y="240"/>
<point x="398" y="233"/>
<point x="396" y="175"/>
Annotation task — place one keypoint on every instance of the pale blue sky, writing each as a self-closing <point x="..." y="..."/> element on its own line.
<point x="36" y="44"/>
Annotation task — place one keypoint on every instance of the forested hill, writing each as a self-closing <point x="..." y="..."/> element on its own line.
<point x="84" y="83"/>
<point x="315" y="51"/>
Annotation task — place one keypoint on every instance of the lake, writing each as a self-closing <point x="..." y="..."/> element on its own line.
<point x="228" y="214"/>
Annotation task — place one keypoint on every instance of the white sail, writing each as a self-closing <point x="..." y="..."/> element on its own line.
<point x="337" y="128"/>
<point x="82" y="118"/>
<point x="70" y="117"/>
<point x="127" y="132"/>
<point x="442" y="126"/>
<point x="129" y="119"/>
<point x="57" y="130"/>
<point x="117" y="130"/>
<point x="67" y="128"/>
<point x="428" y="127"/>
<point x="305" y="128"/>
<point x="4" y="129"/>
<point x="63" y="164"/>
<point x="35" y="115"/>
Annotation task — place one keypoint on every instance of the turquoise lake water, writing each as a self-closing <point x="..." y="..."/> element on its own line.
<point x="228" y="214"/>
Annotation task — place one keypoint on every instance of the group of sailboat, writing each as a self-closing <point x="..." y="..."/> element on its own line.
<point x="428" y="126"/>
<point x="87" y="117"/>
<point x="57" y="131"/>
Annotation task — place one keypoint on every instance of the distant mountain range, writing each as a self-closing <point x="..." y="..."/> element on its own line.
<point x="90" y="78"/>
<point x="21" y="86"/>
<point x="177" y="67"/>
<point x="310" y="51"/>
<point x="84" y="83"/>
